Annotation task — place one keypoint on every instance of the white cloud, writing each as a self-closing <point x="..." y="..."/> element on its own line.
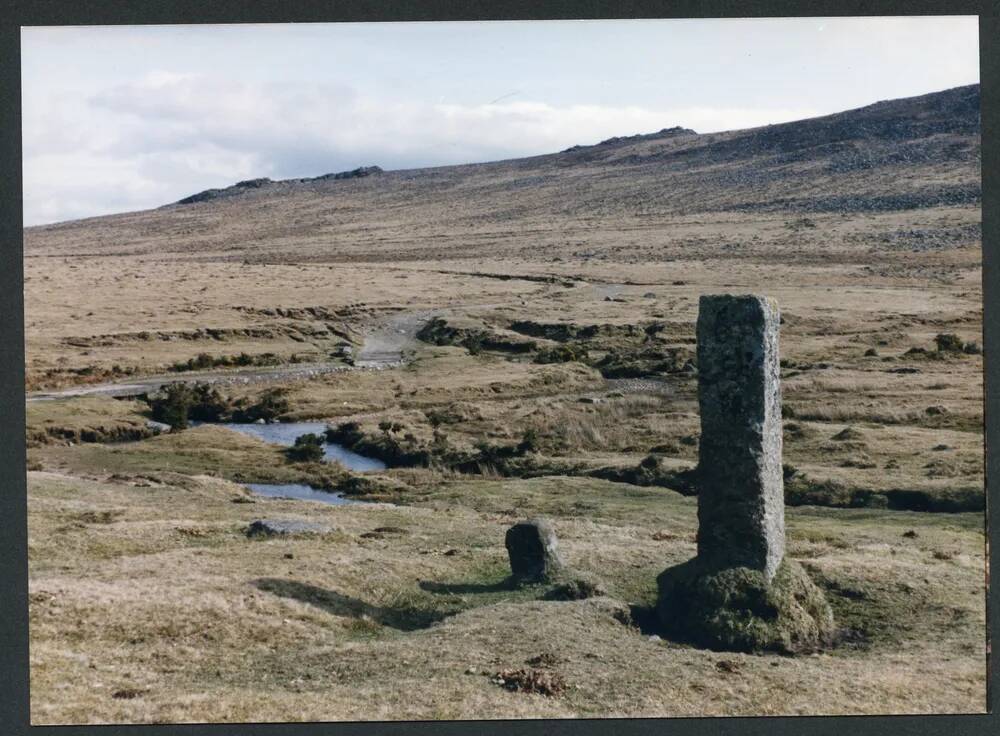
<point x="69" y="185"/>
<point x="167" y="135"/>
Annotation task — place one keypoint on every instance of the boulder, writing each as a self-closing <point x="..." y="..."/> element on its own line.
<point x="532" y="549"/>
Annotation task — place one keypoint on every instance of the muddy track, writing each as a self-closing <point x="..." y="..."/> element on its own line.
<point x="385" y="346"/>
<point x="219" y="378"/>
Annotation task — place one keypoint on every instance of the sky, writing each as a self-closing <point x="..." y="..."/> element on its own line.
<point x="123" y="118"/>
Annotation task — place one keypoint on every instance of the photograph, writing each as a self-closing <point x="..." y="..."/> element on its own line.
<point x="503" y="370"/>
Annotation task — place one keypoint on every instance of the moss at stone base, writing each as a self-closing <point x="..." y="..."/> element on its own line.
<point x="735" y="609"/>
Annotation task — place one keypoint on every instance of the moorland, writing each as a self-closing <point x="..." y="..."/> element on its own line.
<point x="508" y="339"/>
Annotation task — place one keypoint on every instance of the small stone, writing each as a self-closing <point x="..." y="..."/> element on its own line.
<point x="848" y="433"/>
<point x="128" y="693"/>
<point x="532" y="549"/>
<point x="277" y="527"/>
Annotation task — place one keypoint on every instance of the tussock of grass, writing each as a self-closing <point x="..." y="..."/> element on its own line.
<point x="226" y="453"/>
<point x="736" y="609"/>
<point x="581" y="427"/>
<point x="86" y="419"/>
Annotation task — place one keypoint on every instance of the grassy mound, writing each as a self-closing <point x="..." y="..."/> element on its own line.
<point x="86" y="419"/>
<point x="736" y="609"/>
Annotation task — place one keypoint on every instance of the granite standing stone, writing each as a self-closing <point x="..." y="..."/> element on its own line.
<point x="740" y="593"/>
<point x="741" y="506"/>
<point x="532" y="548"/>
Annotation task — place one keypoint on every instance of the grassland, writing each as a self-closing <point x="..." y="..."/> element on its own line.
<point x="141" y="615"/>
<point x="561" y="294"/>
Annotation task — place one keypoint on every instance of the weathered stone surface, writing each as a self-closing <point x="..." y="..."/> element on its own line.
<point x="532" y="548"/>
<point x="741" y="514"/>
<point x="278" y="527"/>
<point x="740" y="593"/>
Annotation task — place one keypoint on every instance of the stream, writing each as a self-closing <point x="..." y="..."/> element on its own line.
<point x="285" y="433"/>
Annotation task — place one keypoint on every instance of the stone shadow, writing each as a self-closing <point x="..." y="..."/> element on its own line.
<point x="644" y="618"/>
<point x="507" y="584"/>
<point x="402" y="618"/>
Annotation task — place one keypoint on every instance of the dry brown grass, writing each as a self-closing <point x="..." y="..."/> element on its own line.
<point x="608" y="425"/>
<point x="213" y="626"/>
<point x="90" y="419"/>
<point x="159" y="601"/>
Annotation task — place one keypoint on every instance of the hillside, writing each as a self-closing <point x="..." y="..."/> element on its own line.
<point x="917" y="153"/>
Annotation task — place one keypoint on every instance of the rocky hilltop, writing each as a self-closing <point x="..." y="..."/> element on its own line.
<point x="916" y="153"/>
<point x="241" y="187"/>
